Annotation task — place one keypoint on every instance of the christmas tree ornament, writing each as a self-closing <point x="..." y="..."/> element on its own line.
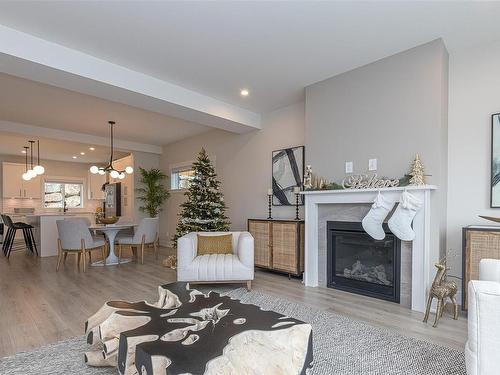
<point x="204" y="209"/>
<point x="400" y="222"/>
<point x="417" y="172"/>
<point x="372" y="222"/>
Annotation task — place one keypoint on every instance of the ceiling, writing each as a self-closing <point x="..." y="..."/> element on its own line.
<point x="50" y="149"/>
<point x="29" y="102"/>
<point x="274" y="49"/>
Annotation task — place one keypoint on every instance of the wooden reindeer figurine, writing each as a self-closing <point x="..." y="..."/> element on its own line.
<point x="441" y="289"/>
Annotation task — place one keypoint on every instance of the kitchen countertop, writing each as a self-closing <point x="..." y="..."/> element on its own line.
<point x="36" y="214"/>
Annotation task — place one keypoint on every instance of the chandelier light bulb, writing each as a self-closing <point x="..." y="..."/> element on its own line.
<point x="26" y="176"/>
<point x="121" y="176"/>
<point x="31" y="173"/>
<point x="39" y="169"/>
<point x="114" y="174"/>
<point x="94" y="169"/>
<point x="101" y="172"/>
<point x="129" y="170"/>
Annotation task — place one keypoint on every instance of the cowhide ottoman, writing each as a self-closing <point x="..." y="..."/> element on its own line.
<point x="188" y="332"/>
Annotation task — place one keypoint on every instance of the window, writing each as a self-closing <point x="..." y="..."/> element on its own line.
<point x="181" y="178"/>
<point x="57" y="192"/>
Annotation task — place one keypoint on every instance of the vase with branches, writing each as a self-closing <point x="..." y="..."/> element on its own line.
<point x="153" y="193"/>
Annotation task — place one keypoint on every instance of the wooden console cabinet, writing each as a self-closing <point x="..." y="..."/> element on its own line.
<point x="279" y="244"/>
<point x="478" y="242"/>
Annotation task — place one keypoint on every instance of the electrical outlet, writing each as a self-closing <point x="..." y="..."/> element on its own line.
<point x="349" y="166"/>
<point x="372" y="164"/>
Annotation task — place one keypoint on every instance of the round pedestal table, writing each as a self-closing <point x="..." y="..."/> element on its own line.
<point x="110" y="231"/>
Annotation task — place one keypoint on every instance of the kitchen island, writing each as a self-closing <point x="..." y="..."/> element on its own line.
<point x="45" y="228"/>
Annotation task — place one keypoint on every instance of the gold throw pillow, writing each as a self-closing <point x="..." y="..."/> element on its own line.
<point x="222" y="244"/>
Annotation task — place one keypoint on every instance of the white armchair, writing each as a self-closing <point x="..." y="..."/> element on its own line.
<point x="483" y="345"/>
<point x="216" y="268"/>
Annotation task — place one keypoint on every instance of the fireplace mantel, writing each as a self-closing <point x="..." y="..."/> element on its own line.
<point x="423" y="254"/>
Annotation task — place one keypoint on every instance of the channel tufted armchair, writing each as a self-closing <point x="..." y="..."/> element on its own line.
<point x="216" y="268"/>
<point x="483" y="345"/>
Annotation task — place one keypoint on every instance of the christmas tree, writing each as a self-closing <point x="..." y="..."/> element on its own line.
<point x="417" y="172"/>
<point x="204" y="209"/>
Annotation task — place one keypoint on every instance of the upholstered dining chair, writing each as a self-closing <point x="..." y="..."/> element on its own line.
<point x="75" y="238"/>
<point x="145" y="234"/>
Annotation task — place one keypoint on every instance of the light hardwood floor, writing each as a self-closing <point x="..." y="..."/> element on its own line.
<point x="39" y="306"/>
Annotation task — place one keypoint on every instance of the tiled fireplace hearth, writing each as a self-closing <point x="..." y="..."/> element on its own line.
<point x="416" y="258"/>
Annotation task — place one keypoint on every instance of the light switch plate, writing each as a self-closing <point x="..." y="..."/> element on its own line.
<point x="349" y="166"/>
<point x="372" y="164"/>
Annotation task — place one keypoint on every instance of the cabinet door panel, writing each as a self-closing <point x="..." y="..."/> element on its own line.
<point x="301" y="246"/>
<point x="32" y="188"/>
<point x="261" y="232"/>
<point x="480" y="245"/>
<point x="95" y="182"/>
<point x="284" y="245"/>
<point x="12" y="180"/>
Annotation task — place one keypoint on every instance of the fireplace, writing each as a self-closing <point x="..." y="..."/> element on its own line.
<point x="358" y="263"/>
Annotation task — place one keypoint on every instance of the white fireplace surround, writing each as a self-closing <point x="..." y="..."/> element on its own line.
<point x="423" y="257"/>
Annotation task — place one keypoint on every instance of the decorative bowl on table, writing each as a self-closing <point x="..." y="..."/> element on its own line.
<point x="108" y="220"/>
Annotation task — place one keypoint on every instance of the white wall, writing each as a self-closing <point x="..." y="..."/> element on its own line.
<point x="474" y="95"/>
<point x="243" y="164"/>
<point x="390" y="110"/>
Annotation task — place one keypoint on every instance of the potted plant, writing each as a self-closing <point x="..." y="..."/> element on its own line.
<point x="153" y="193"/>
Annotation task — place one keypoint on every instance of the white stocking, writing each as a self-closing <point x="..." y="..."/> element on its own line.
<point x="400" y="222"/>
<point x="372" y="222"/>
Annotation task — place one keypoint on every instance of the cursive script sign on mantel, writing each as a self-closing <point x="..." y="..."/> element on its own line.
<point x="364" y="181"/>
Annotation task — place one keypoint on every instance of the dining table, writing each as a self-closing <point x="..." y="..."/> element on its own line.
<point x="110" y="231"/>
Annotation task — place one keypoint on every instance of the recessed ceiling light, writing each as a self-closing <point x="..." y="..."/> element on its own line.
<point x="82" y="153"/>
<point x="23" y="151"/>
<point x="244" y="92"/>
<point x="91" y="148"/>
<point x="74" y="157"/>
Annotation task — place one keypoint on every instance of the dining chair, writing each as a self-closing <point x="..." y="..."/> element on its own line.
<point x="145" y="234"/>
<point x="75" y="238"/>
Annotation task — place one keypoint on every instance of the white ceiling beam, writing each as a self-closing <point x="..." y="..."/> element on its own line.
<point x="64" y="135"/>
<point x="29" y="57"/>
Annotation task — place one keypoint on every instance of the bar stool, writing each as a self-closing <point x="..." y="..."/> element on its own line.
<point x="29" y="238"/>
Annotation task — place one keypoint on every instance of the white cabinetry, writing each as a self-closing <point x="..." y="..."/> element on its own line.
<point x="15" y="187"/>
<point x="94" y="186"/>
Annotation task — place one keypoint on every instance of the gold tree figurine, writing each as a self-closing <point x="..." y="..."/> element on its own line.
<point x="417" y="172"/>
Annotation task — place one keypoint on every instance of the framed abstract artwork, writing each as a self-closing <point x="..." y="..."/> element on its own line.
<point x="288" y="172"/>
<point x="495" y="160"/>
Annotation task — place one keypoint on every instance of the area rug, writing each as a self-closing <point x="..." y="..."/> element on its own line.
<point x="341" y="346"/>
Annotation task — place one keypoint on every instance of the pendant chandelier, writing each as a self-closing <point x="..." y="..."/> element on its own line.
<point x="114" y="173"/>
<point x="36" y="170"/>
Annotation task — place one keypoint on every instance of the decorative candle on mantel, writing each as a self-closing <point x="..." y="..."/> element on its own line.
<point x="269" y="202"/>
<point x="296" y="190"/>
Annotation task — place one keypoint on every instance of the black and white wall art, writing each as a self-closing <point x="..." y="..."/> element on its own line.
<point x="495" y="160"/>
<point x="288" y="172"/>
